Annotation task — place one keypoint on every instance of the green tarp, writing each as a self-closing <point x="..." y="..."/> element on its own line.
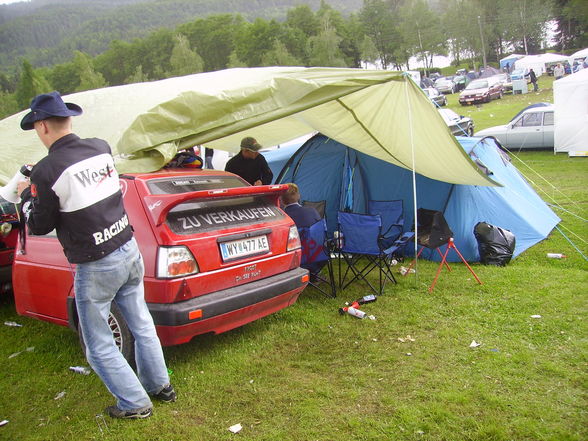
<point x="381" y="113"/>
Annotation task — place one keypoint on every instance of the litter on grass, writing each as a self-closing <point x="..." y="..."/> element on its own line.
<point x="29" y="349"/>
<point x="236" y="428"/>
<point x="80" y="370"/>
<point x="535" y="316"/>
<point x="474" y="344"/>
<point x="59" y="395"/>
<point x="13" y="324"/>
<point x="3" y="423"/>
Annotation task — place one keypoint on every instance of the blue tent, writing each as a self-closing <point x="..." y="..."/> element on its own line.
<point x="325" y="169"/>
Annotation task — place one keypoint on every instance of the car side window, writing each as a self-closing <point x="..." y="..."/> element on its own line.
<point x="531" y="119"/>
<point x="548" y="119"/>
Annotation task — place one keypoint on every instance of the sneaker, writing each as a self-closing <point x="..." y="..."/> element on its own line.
<point x="167" y="394"/>
<point x="130" y="414"/>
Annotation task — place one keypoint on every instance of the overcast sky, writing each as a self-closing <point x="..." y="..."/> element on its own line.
<point x="5" y="2"/>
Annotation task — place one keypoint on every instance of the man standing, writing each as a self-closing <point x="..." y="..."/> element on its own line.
<point x="250" y="164"/>
<point x="533" y="79"/>
<point x="558" y="71"/>
<point x="75" y="190"/>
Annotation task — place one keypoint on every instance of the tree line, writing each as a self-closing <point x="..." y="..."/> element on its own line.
<point x="383" y="33"/>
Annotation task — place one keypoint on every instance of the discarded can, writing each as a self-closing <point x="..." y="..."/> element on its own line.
<point x="17" y="325"/>
<point x="556" y="256"/>
<point x="355" y="312"/>
<point x="80" y="370"/>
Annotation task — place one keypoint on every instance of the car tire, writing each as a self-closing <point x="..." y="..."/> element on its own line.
<point x="123" y="337"/>
<point x="470" y="131"/>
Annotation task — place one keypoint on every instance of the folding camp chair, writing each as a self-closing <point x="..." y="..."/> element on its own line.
<point x="392" y="214"/>
<point x="316" y="256"/>
<point x="319" y="206"/>
<point x="361" y="239"/>
<point x="432" y="233"/>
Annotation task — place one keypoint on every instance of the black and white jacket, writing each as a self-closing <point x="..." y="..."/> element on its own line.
<point x="75" y="190"/>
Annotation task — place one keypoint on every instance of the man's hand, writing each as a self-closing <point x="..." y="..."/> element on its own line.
<point x="22" y="185"/>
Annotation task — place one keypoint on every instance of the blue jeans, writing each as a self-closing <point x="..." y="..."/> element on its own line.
<point x="118" y="277"/>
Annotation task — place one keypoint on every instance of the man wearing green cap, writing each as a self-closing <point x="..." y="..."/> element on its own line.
<point x="250" y="164"/>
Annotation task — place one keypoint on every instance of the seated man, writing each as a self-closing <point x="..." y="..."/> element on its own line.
<point x="302" y="217"/>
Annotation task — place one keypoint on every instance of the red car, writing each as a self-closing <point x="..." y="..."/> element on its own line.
<point x="482" y="90"/>
<point x="218" y="254"/>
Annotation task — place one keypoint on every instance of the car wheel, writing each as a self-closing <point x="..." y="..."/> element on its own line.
<point x="125" y="342"/>
<point x="471" y="131"/>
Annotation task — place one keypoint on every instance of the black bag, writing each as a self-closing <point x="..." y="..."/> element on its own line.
<point x="496" y="245"/>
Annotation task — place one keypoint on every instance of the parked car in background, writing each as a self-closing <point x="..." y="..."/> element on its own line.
<point x="519" y="74"/>
<point x="532" y="129"/>
<point x="461" y="81"/>
<point x="218" y="253"/>
<point x="458" y="124"/>
<point x="436" y="96"/>
<point x="445" y="85"/>
<point x="480" y="91"/>
<point x="502" y="78"/>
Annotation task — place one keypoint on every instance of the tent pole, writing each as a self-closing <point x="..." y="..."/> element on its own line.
<point x="407" y="79"/>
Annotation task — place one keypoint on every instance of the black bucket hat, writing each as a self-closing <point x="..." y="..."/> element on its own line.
<point x="47" y="105"/>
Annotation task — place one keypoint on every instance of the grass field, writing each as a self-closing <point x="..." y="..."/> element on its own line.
<point x="307" y="373"/>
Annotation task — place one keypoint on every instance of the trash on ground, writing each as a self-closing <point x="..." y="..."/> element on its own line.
<point x="535" y="316"/>
<point x="29" y="349"/>
<point x="3" y="423"/>
<point x="556" y="256"/>
<point x="372" y="317"/>
<point x="80" y="370"/>
<point x="16" y="325"/>
<point x="405" y="339"/>
<point x="409" y="354"/>
<point x="59" y="395"/>
<point x="236" y="428"/>
<point x="474" y="344"/>
<point x="404" y="270"/>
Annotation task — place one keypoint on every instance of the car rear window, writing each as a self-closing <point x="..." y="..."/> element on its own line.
<point x="195" y="217"/>
<point x="186" y="184"/>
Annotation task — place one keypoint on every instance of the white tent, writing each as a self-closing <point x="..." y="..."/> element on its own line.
<point x="538" y="62"/>
<point x="510" y="60"/>
<point x="579" y="55"/>
<point x="570" y="96"/>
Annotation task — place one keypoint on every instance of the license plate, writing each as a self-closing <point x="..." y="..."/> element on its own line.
<point x="244" y="247"/>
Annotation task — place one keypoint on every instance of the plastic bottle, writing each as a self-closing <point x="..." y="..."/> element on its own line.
<point x="556" y="256"/>
<point x="366" y="299"/>
<point x="13" y="324"/>
<point x="339" y="239"/>
<point x="80" y="370"/>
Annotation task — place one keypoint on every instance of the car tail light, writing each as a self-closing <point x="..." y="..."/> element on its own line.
<point x="293" y="239"/>
<point x="175" y="262"/>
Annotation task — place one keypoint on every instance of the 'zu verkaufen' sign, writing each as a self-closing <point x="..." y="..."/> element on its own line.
<point x="201" y="220"/>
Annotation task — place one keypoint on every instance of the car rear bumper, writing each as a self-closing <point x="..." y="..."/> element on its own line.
<point x="227" y="309"/>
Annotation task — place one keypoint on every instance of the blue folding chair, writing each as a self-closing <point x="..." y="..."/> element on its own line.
<point x="316" y="256"/>
<point x="361" y="243"/>
<point x="392" y="214"/>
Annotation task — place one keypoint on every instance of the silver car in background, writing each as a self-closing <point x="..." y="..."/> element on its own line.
<point x="531" y="129"/>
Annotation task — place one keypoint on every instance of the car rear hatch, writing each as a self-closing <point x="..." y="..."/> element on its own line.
<point x="236" y="234"/>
